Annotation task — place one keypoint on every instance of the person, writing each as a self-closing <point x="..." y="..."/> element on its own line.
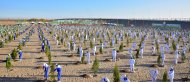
<point x="184" y="49"/>
<point x="176" y="56"/>
<point x="68" y="44"/>
<point x="171" y="74"/>
<point x="141" y="52"/>
<point x="88" y="57"/>
<point x="130" y="52"/>
<point x="104" y="79"/>
<point x="57" y="42"/>
<point x="46" y="70"/>
<point x="43" y="46"/>
<point x="94" y="50"/>
<point x="163" y="58"/>
<point x="74" y="46"/>
<point x="162" y="49"/>
<point x="154" y="74"/>
<point x="167" y="48"/>
<point x="124" y="78"/>
<point x="113" y="41"/>
<point x="20" y="55"/>
<point x="81" y="54"/>
<point x="102" y="45"/>
<point x="114" y="54"/>
<point x="132" y="63"/>
<point x="58" y="69"/>
<point x="134" y="45"/>
<point x="153" y="50"/>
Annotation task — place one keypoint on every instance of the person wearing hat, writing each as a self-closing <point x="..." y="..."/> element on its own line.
<point x="20" y="54"/>
<point x="46" y="70"/>
<point x="58" y="69"/>
<point x="104" y="79"/>
<point x="132" y="64"/>
<point x="124" y="78"/>
<point x="171" y="74"/>
<point x="154" y="74"/>
<point x="114" y="55"/>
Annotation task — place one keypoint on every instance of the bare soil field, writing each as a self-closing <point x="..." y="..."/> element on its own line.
<point x="7" y="22"/>
<point x="30" y="68"/>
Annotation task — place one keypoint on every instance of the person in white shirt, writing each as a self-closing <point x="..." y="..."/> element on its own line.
<point x="153" y="50"/>
<point x="132" y="64"/>
<point x="171" y="74"/>
<point x="104" y="79"/>
<point x="141" y="52"/>
<point x="163" y="58"/>
<point x="124" y="78"/>
<point x="94" y="50"/>
<point x="176" y="56"/>
<point x="154" y="74"/>
<point x="114" y="55"/>
<point x="88" y="57"/>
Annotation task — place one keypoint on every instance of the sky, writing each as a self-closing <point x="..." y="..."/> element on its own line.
<point x="94" y="9"/>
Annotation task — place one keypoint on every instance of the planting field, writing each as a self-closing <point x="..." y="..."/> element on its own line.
<point x="30" y="68"/>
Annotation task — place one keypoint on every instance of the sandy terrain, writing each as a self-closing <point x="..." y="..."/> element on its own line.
<point x="26" y="71"/>
<point x="7" y="22"/>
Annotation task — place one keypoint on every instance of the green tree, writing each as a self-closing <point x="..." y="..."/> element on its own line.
<point x="52" y="73"/>
<point x="91" y="44"/>
<point x="19" y="47"/>
<point x="138" y="52"/>
<point x="159" y="60"/>
<point x="121" y="47"/>
<point x="95" y="65"/>
<point x="101" y="50"/>
<point x="116" y="74"/>
<point x="1" y="44"/>
<point x="8" y="63"/>
<point x="183" y="57"/>
<point x="165" y="77"/>
<point x="83" y="57"/>
<point x="174" y="45"/>
<point x="14" y="54"/>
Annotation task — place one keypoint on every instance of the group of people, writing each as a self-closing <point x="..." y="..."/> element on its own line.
<point x="83" y="35"/>
<point x="46" y="69"/>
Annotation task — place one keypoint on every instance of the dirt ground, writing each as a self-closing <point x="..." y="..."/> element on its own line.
<point x="26" y="71"/>
<point x="7" y="22"/>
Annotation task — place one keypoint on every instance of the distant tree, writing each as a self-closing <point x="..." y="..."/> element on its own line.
<point x="1" y="44"/>
<point x="159" y="60"/>
<point x="121" y="47"/>
<point x="183" y="57"/>
<point x="101" y="50"/>
<point x="91" y="44"/>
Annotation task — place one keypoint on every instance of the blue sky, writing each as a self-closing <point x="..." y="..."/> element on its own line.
<point x="94" y="8"/>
